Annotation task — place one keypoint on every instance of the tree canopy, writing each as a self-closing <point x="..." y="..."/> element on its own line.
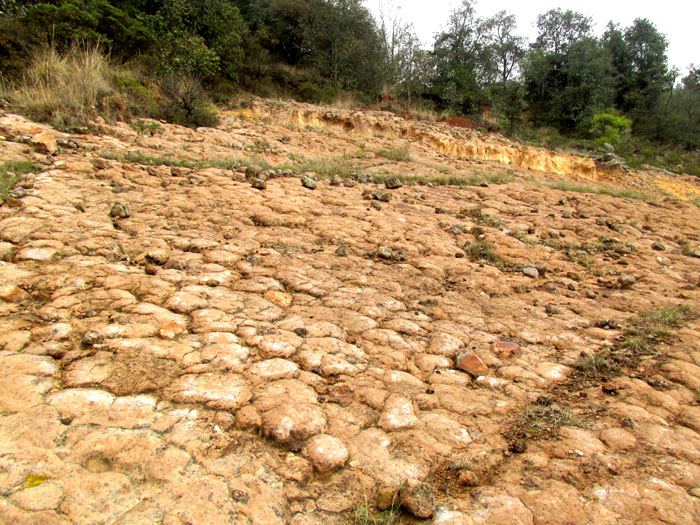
<point x="312" y="49"/>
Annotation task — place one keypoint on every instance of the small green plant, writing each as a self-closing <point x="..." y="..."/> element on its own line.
<point x="482" y="251"/>
<point x="8" y="179"/>
<point x="636" y="343"/>
<point x="11" y="172"/>
<point x="481" y="218"/>
<point x="145" y="127"/>
<point x="593" y="366"/>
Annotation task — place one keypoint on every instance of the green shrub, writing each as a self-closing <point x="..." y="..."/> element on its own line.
<point x="610" y="128"/>
<point x="138" y="93"/>
<point x="310" y="92"/>
<point x="314" y="93"/>
<point x="185" y="102"/>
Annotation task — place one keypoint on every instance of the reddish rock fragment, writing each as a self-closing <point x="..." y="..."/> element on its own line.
<point x="171" y="330"/>
<point x="507" y="349"/>
<point x="471" y="363"/>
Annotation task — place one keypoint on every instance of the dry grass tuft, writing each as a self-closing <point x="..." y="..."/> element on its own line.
<point x="67" y="90"/>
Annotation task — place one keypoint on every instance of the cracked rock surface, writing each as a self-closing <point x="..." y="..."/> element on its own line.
<point x="211" y="356"/>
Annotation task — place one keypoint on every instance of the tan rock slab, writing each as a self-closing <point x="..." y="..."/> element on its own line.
<point x="216" y="390"/>
<point x="291" y="424"/>
<point x="326" y="452"/>
<point x="45" y="496"/>
<point x="398" y="414"/>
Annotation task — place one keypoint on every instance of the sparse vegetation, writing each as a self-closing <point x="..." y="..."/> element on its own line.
<point x="481" y="218"/>
<point x="590" y="366"/>
<point x="145" y="127"/>
<point x="542" y="421"/>
<point x="365" y="516"/>
<point x="654" y="327"/>
<point x="601" y="190"/>
<point x="153" y="160"/>
<point x="327" y="167"/>
<point x="11" y="173"/>
<point x="639" y="339"/>
<point x="484" y="252"/>
<point x="399" y="154"/>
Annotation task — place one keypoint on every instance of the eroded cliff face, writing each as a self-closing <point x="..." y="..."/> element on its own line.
<point x="451" y="141"/>
<point x="189" y="339"/>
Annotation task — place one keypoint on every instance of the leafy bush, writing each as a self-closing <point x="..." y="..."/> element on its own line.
<point x="180" y="53"/>
<point x="137" y="90"/>
<point x="610" y="128"/>
<point x="186" y="102"/>
<point x="312" y="92"/>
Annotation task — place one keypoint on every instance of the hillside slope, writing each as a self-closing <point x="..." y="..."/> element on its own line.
<point x="191" y="334"/>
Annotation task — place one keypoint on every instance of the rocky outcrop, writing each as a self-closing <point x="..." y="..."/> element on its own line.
<point x="214" y="352"/>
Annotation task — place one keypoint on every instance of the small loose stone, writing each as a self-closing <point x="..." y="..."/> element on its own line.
<point x="418" y="498"/>
<point x="531" y="271"/>
<point x="308" y="182"/>
<point x="91" y="338"/>
<point x="120" y="211"/>
<point x="393" y="183"/>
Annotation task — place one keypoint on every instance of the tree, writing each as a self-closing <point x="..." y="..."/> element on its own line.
<point x="509" y="102"/>
<point x="649" y="77"/>
<point x="505" y="47"/>
<point x="621" y="62"/>
<point x="344" y="44"/>
<point x="682" y="122"/>
<point x="399" y="45"/>
<point x="98" y="21"/>
<point x="284" y="20"/>
<point x="201" y="38"/>
<point x="460" y="56"/>
<point x="559" y="29"/>
<point x="565" y="90"/>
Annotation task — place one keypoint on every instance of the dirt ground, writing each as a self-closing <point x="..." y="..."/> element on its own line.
<point x="194" y="330"/>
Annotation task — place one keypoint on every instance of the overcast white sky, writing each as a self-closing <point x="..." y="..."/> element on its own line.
<point x="677" y="19"/>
